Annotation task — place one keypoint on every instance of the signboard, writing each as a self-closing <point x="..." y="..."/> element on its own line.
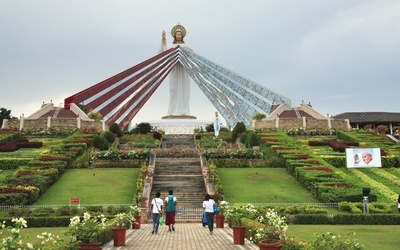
<point x="75" y="200"/>
<point x="363" y="158"/>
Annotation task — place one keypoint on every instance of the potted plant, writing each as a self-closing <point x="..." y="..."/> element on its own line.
<point x="219" y="217"/>
<point x="119" y="224"/>
<point x="274" y="230"/>
<point x="382" y="129"/>
<point x="87" y="231"/>
<point x="234" y="215"/>
<point x="135" y="211"/>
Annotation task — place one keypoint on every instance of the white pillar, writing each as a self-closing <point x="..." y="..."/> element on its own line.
<point x="3" y="125"/>
<point x="348" y="124"/>
<point x="329" y="123"/>
<point x="21" y="122"/>
<point x="304" y="122"/>
<point x="48" y="121"/>
<point x="277" y="122"/>
<point x="103" y="125"/>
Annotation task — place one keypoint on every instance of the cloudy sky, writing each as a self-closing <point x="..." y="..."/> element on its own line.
<point x="340" y="56"/>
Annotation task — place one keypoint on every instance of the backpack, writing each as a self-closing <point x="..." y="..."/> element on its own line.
<point x="216" y="208"/>
<point x="170" y="204"/>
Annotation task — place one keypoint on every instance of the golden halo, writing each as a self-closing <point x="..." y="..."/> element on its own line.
<point x="176" y="27"/>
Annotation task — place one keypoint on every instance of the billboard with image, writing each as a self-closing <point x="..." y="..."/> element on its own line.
<point x="363" y="158"/>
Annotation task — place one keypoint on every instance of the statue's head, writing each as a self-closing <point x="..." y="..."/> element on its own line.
<point x="178" y="32"/>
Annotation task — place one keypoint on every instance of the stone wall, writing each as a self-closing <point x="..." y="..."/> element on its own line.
<point x="310" y="123"/>
<point x="64" y="124"/>
<point x="290" y="123"/>
<point x="96" y="125"/>
<point x="316" y="123"/>
<point x="14" y="123"/>
<point x="339" y="124"/>
<point x="35" y="124"/>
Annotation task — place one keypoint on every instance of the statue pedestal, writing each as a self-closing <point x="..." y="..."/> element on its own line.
<point x="179" y="125"/>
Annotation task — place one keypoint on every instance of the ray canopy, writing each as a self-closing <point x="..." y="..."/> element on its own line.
<point x="120" y="97"/>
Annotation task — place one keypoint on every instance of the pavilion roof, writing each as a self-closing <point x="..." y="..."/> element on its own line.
<point x="363" y="117"/>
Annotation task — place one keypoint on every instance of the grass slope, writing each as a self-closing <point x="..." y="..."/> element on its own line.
<point x="93" y="186"/>
<point x="262" y="185"/>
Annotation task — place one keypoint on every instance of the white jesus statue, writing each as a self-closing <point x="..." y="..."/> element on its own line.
<point x="179" y="79"/>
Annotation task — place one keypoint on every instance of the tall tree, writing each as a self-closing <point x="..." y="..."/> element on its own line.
<point x="4" y="114"/>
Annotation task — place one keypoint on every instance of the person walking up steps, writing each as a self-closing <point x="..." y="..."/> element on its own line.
<point x="170" y="209"/>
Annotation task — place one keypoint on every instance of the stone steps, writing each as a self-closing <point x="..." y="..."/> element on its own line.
<point x="183" y="176"/>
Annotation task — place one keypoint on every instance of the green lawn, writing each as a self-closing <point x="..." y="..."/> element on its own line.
<point x="93" y="186"/>
<point x="262" y="185"/>
<point x="371" y="236"/>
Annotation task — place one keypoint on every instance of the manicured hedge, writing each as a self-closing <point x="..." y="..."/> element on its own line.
<point x="13" y="163"/>
<point x="10" y="137"/>
<point x="346" y="219"/>
<point x="23" y="195"/>
<point x="238" y="163"/>
<point x="119" y="163"/>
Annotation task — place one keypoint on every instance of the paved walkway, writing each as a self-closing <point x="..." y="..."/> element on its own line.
<point x="187" y="236"/>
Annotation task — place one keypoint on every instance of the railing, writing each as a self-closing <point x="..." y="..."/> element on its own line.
<point x="56" y="111"/>
<point x="183" y="214"/>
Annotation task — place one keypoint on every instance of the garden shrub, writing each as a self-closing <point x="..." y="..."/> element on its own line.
<point x="67" y="211"/>
<point x="81" y="161"/>
<point x="94" y="209"/>
<point x="244" y="137"/>
<point x="18" y="212"/>
<point x="157" y="135"/>
<point x="238" y="129"/>
<point x="253" y="140"/>
<point x="109" y="136"/>
<point x="115" y="129"/>
<point x="143" y="128"/>
<point x="113" y="210"/>
<point x="42" y="211"/>
<point x="100" y="142"/>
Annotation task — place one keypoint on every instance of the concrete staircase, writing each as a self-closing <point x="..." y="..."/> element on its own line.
<point x="178" y="141"/>
<point x="183" y="176"/>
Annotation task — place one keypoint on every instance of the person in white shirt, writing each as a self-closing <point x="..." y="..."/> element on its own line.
<point x="208" y="206"/>
<point x="156" y="210"/>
